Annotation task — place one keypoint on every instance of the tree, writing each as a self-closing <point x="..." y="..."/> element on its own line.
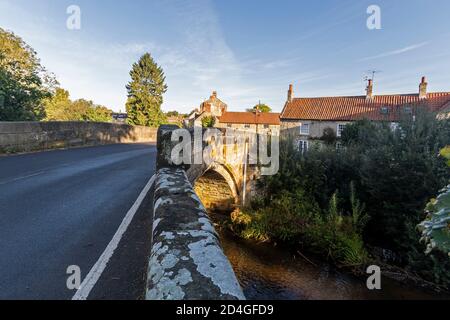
<point x="24" y="83"/>
<point x="329" y="136"/>
<point x="261" y="107"/>
<point x="59" y="107"/>
<point x="145" y="93"/>
<point x="208" y="122"/>
<point x="172" y="114"/>
<point x="80" y="109"/>
<point x="98" y="114"/>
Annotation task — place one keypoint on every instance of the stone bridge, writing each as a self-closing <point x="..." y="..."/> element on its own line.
<point x="193" y="177"/>
<point x="222" y="176"/>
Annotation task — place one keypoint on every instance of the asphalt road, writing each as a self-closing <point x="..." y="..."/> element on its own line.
<point x="61" y="208"/>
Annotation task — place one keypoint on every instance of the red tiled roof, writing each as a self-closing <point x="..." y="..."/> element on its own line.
<point x="250" y="118"/>
<point x="358" y="107"/>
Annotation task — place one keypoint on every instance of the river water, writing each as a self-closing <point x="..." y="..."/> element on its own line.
<point x="268" y="272"/>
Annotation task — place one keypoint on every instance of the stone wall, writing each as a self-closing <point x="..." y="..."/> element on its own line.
<point x="32" y="136"/>
<point x="187" y="261"/>
<point x="215" y="193"/>
<point x="316" y="128"/>
<point x="260" y="128"/>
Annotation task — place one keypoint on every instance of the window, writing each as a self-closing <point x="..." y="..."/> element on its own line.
<point x="229" y="125"/>
<point x="384" y="110"/>
<point x="247" y="126"/>
<point x="266" y="126"/>
<point x="303" y="146"/>
<point x="339" y="146"/>
<point x="394" y="126"/>
<point x="340" y="128"/>
<point x="407" y="110"/>
<point x="304" y="129"/>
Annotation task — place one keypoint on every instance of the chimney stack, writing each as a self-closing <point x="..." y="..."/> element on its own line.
<point x="423" y="88"/>
<point x="290" y="93"/>
<point x="369" y="90"/>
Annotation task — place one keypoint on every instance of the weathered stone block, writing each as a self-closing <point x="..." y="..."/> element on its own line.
<point x="187" y="261"/>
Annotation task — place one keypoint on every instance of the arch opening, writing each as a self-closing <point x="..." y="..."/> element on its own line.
<point x="216" y="193"/>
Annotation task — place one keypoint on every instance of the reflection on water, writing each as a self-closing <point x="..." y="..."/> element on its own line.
<point x="267" y="272"/>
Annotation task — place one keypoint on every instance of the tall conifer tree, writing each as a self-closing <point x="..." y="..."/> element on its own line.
<point x="145" y="93"/>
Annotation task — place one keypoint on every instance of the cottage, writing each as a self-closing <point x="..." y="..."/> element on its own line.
<point x="213" y="107"/>
<point x="305" y="119"/>
<point x="259" y="122"/>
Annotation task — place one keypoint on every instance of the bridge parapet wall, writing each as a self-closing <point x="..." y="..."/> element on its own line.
<point x="34" y="136"/>
<point x="187" y="261"/>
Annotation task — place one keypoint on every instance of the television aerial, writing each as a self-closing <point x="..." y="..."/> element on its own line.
<point x="370" y="75"/>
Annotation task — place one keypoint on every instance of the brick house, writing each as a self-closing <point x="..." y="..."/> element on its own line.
<point x="259" y="122"/>
<point x="212" y="107"/>
<point x="305" y="119"/>
<point x="249" y="121"/>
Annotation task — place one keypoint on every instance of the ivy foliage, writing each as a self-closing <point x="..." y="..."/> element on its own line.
<point x="436" y="228"/>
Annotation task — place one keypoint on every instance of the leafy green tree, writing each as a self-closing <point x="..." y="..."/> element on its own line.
<point x="329" y="136"/>
<point x="357" y="132"/>
<point x="145" y="93"/>
<point x="172" y="114"/>
<point x="208" y="122"/>
<point x="261" y="107"/>
<point x="79" y="109"/>
<point x="59" y="107"/>
<point x="24" y="83"/>
<point x="98" y="114"/>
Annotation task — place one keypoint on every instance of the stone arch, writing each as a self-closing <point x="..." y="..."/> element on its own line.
<point x="217" y="189"/>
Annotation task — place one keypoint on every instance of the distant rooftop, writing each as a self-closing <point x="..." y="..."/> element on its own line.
<point x="250" y="118"/>
<point x="371" y="107"/>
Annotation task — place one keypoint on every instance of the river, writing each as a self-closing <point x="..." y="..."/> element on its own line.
<point x="273" y="273"/>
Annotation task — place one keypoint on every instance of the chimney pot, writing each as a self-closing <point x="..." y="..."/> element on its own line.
<point x="369" y="89"/>
<point x="290" y="93"/>
<point x="423" y="88"/>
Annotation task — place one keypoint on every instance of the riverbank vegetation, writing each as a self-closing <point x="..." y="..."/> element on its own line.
<point x="371" y="192"/>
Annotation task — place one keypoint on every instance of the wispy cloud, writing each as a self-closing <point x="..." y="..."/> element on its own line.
<point x="188" y="40"/>
<point x="395" y="52"/>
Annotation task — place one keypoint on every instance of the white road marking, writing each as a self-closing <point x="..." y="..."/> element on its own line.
<point x="23" y="177"/>
<point x="98" y="268"/>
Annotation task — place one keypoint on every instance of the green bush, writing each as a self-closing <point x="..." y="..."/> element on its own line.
<point x="436" y="228"/>
<point x="384" y="177"/>
<point x="296" y="219"/>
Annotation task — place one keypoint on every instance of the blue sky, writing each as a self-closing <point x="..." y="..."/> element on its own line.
<point x="247" y="50"/>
